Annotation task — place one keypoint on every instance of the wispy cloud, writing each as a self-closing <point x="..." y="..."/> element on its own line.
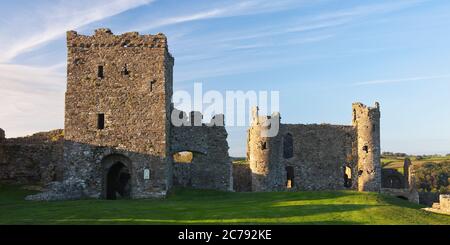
<point x="325" y="20"/>
<point x="32" y="78"/>
<point x="368" y="9"/>
<point x="64" y="16"/>
<point x="32" y="99"/>
<point x="227" y="9"/>
<point x="400" y="80"/>
<point x="27" y="92"/>
<point x="255" y="42"/>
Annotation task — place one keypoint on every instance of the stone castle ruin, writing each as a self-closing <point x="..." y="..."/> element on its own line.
<point x="119" y="142"/>
<point x="317" y="157"/>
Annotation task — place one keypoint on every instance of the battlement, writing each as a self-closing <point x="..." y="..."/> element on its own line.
<point x="370" y="111"/>
<point x="104" y="37"/>
<point x="195" y="118"/>
<point x="263" y="120"/>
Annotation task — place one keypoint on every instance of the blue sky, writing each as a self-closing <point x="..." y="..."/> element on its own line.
<point x="320" y="55"/>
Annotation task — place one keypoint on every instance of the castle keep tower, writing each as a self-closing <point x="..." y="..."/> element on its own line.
<point x="366" y="121"/>
<point x="117" y="110"/>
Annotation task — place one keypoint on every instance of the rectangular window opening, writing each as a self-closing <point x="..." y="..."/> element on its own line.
<point x="101" y="121"/>
<point x="100" y="72"/>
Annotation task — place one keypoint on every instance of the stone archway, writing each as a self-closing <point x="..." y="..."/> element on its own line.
<point x="117" y="177"/>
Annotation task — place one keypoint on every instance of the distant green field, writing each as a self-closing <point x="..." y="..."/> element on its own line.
<point x="185" y="206"/>
<point x="397" y="162"/>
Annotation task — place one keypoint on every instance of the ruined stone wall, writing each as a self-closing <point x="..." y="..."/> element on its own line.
<point x="128" y="79"/>
<point x="321" y="153"/>
<point x="366" y="120"/>
<point x="391" y="178"/>
<point x="316" y="157"/>
<point x="428" y="198"/>
<point x="242" y="177"/>
<point x="33" y="159"/>
<point x="211" y="165"/>
<point x="444" y="202"/>
<point x="182" y="174"/>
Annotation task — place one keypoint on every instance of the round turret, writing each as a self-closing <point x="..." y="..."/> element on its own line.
<point x="262" y="153"/>
<point x="366" y="120"/>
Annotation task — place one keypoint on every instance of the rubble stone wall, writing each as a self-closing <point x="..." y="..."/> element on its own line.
<point x="127" y="80"/>
<point x="444" y="201"/>
<point x="211" y="165"/>
<point x="316" y="156"/>
<point x="35" y="159"/>
<point x="242" y="177"/>
<point x="366" y="121"/>
<point x="321" y="153"/>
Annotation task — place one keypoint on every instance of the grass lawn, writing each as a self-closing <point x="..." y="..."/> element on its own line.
<point x="186" y="206"/>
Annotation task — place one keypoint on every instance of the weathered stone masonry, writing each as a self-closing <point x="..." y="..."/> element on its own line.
<point x="211" y="166"/>
<point x="317" y="157"/>
<point x="119" y="139"/>
<point x="33" y="159"/>
<point x="124" y="83"/>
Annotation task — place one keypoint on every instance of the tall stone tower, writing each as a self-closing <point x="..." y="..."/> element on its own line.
<point x="366" y="121"/>
<point x="117" y="110"/>
<point x="262" y="155"/>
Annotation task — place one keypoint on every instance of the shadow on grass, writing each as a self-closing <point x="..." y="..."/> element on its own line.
<point x="391" y="200"/>
<point x="263" y="214"/>
<point x="187" y="206"/>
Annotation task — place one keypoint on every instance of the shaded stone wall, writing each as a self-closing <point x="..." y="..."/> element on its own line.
<point x="182" y="174"/>
<point x="428" y="198"/>
<point x="321" y="153"/>
<point x="128" y="79"/>
<point x="35" y="159"/>
<point x="211" y="165"/>
<point x="242" y="177"/>
<point x="391" y="178"/>
<point x="408" y="194"/>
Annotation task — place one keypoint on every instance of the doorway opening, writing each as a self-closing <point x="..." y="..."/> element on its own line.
<point x="347" y="177"/>
<point x="290" y="177"/>
<point x="118" y="182"/>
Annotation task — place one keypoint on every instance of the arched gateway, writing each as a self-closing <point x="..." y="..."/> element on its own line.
<point x="117" y="177"/>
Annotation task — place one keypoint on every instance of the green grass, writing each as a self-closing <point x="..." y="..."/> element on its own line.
<point x="186" y="206"/>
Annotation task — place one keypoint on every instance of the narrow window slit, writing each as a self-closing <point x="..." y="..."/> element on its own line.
<point x="101" y="121"/>
<point x="100" y="72"/>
